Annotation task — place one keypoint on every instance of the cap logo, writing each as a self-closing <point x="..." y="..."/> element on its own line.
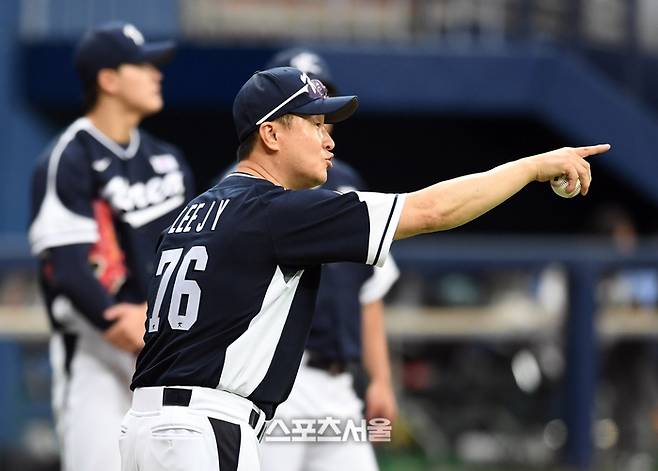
<point x="313" y="85"/>
<point x="133" y="33"/>
<point x="307" y="62"/>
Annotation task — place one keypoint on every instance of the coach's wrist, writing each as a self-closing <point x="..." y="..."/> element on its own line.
<point x="531" y="167"/>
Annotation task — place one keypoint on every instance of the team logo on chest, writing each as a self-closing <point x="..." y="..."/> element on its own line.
<point x="144" y="201"/>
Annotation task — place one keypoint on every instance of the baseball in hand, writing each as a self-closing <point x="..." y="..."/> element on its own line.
<point x="559" y="185"/>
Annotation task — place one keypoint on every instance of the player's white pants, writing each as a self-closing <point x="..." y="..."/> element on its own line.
<point x="211" y="433"/>
<point x="317" y="394"/>
<point x="89" y="401"/>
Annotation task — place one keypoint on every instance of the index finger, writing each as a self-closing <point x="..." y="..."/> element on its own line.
<point x="593" y="150"/>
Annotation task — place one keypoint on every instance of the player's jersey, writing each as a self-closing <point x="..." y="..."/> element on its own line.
<point x="87" y="187"/>
<point x="336" y="328"/>
<point x="233" y="297"/>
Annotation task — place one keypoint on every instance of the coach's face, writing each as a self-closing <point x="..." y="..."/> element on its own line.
<point x="138" y="87"/>
<point x="307" y="148"/>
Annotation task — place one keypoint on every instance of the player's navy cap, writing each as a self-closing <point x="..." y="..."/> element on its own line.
<point x="272" y="93"/>
<point x="306" y="61"/>
<point x="112" y="44"/>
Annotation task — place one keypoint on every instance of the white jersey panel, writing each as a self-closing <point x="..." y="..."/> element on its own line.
<point x="55" y="225"/>
<point x="384" y="212"/>
<point x="249" y="357"/>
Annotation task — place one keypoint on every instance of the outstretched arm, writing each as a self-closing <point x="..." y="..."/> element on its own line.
<point x="452" y="203"/>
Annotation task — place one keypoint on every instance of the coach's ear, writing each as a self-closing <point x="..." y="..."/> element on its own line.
<point x="268" y="135"/>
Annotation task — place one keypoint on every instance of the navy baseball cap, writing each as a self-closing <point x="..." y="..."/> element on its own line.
<point x="306" y="61"/>
<point x="112" y="44"/>
<point x="272" y="93"/>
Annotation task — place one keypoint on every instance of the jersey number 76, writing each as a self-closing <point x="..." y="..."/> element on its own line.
<point x="182" y="287"/>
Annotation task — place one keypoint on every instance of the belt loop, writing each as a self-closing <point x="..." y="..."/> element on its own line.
<point x="258" y="422"/>
<point x="176" y="397"/>
<point x="253" y="418"/>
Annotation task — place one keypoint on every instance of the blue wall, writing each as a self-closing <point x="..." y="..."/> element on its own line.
<point x="22" y="133"/>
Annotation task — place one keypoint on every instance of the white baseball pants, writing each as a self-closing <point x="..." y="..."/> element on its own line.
<point x="90" y="395"/>
<point x="192" y="429"/>
<point x="317" y="394"/>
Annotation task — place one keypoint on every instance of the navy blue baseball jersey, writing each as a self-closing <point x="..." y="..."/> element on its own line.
<point x="87" y="187"/>
<point x="233" y="296"/>
<point x="345" y="287"/>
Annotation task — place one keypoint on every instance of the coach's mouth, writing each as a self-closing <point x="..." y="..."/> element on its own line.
<point x="329" y="162"/>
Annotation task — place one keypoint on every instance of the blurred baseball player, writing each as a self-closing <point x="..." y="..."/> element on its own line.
<point x="349" y="298"/>
<point x="232" y="299"/>
<point x="101" y="195"/>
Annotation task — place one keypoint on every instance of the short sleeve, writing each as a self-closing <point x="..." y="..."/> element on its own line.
<point x="65" y="215"/>
<point x="384" y="212"/>
<point x="311" y="227"/>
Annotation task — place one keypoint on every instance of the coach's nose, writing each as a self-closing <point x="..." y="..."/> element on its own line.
<point x="327" y="142"/>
